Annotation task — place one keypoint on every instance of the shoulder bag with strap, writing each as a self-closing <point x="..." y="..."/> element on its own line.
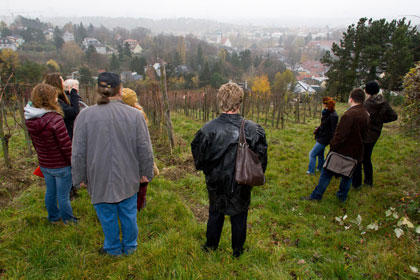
<point x="248" y="169"/>
<point x="340" y="164"/>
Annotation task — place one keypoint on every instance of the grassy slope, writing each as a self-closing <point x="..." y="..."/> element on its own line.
<point x="287" y="238"/>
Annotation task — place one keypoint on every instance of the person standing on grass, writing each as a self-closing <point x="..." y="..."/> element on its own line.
<point x="129" y="97"/>
<point x="380" y="112"/>
<point x="323" y="134"/>
<point x="44" y="120"/>
<point x="69" y="104"/>
<point x="112" y="154"/>
<point x="214" y="151"/>
<point x="347" y="141"/>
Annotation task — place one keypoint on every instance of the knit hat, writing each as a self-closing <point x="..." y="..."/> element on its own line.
<point x="372" y="87"/>
<point x="129" y="96"/>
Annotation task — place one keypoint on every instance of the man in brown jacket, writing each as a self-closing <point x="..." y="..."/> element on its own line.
<point x="348" y="141"/>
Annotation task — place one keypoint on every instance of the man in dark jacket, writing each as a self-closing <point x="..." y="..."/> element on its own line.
<point x="380" y="112"/>
<point x="348" y="141"/>
<point x="214" y="151"/>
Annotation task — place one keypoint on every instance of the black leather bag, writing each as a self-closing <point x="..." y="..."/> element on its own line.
<point x="340" y="164"/>
<point x="248" y="169"/>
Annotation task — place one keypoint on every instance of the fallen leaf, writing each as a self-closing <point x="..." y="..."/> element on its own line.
<point x="414" y="269"/>
<point x="398" y="232"/>
<point x="347" y="227"/>
<point x="344" y="217"/>
<point x="359" y="219"/>
<point x="405" y="221"/>
<point x="388" y="213"/>
<point x="395" y="215"/>
<point x="418" y="229"/>
<point x="301" y="261"/>
<point x="373" y="226"/>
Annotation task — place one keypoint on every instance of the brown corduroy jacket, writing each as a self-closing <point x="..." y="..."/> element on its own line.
<point x="350" y="133"/>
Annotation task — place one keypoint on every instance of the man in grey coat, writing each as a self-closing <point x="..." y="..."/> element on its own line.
<point x="112" y="154"/>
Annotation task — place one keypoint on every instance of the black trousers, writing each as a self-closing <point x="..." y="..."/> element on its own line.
<point x="367" y="167"/>
<point x="215" y="226"/>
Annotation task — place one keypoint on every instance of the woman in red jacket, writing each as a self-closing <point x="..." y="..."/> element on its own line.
<point x="44" y="120"/>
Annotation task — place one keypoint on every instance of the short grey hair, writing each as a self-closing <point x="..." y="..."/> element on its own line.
<point x="68" y="84"/>
<point x="71" y="83"/>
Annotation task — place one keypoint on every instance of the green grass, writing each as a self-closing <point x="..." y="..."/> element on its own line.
<point x="287" y="238"/>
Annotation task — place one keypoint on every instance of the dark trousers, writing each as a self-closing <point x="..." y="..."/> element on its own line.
<point x="214" y="230"/>
<point x="367" y="166"/>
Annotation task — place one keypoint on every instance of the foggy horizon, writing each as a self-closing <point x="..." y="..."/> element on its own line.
<point x="267" y="13"/>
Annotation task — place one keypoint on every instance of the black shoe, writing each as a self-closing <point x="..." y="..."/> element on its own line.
<point x="73" y="193"/>
<point x="308" y="197"/>
<point x="102" y="251"/>
<point x="237" y="253"/>
<point x="368" y="185"/>
<point x="207" y="249"/>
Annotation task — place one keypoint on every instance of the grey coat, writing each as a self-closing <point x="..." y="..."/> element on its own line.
<point x="111" y="151"/>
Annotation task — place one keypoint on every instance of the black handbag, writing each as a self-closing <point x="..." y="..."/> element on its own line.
<point x="340" y="164"/>
<point x="248" y="169"/>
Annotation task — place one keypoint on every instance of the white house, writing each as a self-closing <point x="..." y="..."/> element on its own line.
<point x="99" y="47"/>
<point x="135" y="47"/>
<point x="68" y="37"/>
<point x="6" y="43"/>
<point x="17" y="39"/>
<point x="49" y="34"/>
<point x="302" y="87"/>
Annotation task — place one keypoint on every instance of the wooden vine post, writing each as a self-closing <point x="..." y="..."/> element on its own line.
<point x="168" y="121"/>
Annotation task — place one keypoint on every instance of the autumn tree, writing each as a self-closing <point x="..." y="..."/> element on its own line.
<point x="52" y="66"/>
<point x="283" y="85"/>
<point x="72" y="54"/>
<point x="262" y="90"/>
<point x="181" y="49"/>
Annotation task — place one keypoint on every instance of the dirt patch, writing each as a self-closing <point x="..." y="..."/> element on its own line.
<point x="16" y="179"/>
<point x="176" y="167"/>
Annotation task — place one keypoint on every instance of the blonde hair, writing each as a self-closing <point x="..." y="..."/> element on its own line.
<point x="45" y="96"/>
<point x="129" y="97"/>
<point x="230" y="97"/>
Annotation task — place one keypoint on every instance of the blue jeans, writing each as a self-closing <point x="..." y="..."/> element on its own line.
<point x="58" y="181"/>
<point x="317" y="151"/>
<point x="324" y="181"/>
<point x="108" y="215"/>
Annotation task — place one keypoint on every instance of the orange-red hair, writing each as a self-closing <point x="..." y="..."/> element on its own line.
<point x="329" y="102"/>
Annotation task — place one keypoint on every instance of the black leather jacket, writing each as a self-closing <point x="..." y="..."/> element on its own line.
<point x="214" y="151"/>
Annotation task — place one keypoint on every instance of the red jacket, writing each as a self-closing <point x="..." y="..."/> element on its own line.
<point x="51" y="140"/>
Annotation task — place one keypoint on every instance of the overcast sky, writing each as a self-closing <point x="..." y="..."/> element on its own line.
<point x="251" y="11"/>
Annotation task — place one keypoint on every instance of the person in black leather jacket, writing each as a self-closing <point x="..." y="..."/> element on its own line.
<point x="380" y="112"/>
<point x="214" y="151"/>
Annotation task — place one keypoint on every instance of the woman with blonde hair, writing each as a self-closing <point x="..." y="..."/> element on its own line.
<point x="70" y="106"/>
<point x="129" y="97"/>
<point x="44" y="120"/>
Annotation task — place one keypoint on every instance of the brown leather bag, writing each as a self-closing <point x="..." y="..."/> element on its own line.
<point x="248" y="169"/>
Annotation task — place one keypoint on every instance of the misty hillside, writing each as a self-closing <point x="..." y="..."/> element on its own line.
<point x="180" y="25"/>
